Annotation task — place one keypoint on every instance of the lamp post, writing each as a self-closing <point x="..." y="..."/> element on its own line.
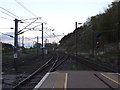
<point x="76" y="38"/>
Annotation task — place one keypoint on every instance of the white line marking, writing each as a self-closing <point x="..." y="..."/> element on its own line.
<point x="110" y="78"/>
<point x="41" y="82"/>
<point x="65" y="84"/>
<point x="114" y="73"/>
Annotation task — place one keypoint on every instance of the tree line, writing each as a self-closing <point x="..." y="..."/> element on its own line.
<point x="103" y="27"/>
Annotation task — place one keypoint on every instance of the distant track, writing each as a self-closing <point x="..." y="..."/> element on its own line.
<point x="93" y="65"/>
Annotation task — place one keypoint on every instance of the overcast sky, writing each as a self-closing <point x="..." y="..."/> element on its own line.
<point x="60" y="15"/>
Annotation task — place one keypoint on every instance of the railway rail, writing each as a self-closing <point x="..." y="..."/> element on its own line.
<point x="93" y="65"/>
<point x="51" y="65"/>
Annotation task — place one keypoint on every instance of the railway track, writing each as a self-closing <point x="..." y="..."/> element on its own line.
<point x="92" y="64"/>
<point x="51" y="65"/>
<point x="21" y="63"/>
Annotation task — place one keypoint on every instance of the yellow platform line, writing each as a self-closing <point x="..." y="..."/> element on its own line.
<point x="66" y="78"/>
<point x="110" y="78"/>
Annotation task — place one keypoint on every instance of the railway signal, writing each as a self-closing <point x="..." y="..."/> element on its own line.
<point x="97" y="45"/>
<point x="98" y="40"/>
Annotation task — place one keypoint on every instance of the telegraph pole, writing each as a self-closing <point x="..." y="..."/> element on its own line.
<point x="16" y="43"/>
<point x="42" y="42"/>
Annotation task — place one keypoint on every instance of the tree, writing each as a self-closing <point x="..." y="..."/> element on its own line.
<point x="37" y="45"/>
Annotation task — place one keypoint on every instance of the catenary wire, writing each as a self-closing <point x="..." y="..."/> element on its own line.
<point x="28" y="25"/>
<point x="6" y="18"/>
<point x="10" y="12"/>
<point x="25" y="8"/>
<point x="7" y="14"/>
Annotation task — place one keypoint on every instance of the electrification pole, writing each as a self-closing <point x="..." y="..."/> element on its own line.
<point x="37" y="46"/>
<point x="76" y="38"/>
<point x="16" y="43"/>
<point x="19" y="41"/>
<point x="93" y="43"/>
<point x="118" y="39"/>
<point x="118" y="32"/>
<point x="76" y="25"/>
<point x="42" y="42"/>
<point x="22" y="41"/>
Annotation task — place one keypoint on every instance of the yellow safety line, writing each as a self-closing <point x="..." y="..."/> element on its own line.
<point x="65" y="84"/>
<point x="110" y="78"/>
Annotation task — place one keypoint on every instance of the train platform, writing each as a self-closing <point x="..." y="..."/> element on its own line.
<point x="80" y="79"/>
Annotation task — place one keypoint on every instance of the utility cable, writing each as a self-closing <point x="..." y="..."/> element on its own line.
<point x="10" y="12"/>
<point x="7" y="14"/>
<point x="7" y="35"/>
<point x="55" y="36"/>
<point x="47" y="34"/>
<point x="29" y="39"/>
<point x="25" y="8"/>
<point x="36" y="26"/>
<point x="30" y="29"/>
<point x="32" y="18"/>
<point x="27" y="26"/>
<point x="6" y="18"/>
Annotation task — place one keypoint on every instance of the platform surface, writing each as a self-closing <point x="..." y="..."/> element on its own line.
<point x="80" y="79"/>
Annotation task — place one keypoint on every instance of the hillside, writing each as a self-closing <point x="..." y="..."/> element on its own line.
<point x="102" y="28"/>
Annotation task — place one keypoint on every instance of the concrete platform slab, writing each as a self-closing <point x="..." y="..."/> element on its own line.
<point x="80" y="79"/>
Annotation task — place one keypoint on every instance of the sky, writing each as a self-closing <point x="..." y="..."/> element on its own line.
<point x="59" y="15"/>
